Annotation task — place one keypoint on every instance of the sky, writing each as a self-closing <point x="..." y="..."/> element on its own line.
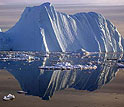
<point x="110" y="2"/>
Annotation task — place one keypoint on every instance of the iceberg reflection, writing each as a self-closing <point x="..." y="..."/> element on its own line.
<point x="44" y="83"/>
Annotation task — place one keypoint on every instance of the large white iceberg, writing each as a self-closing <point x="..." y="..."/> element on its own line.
<point x="42" y="28"/>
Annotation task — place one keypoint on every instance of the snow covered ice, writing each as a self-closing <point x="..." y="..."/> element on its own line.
<point x="42" y="28"/>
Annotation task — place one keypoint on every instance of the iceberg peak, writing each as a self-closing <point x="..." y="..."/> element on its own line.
<point x="47" y="4"/>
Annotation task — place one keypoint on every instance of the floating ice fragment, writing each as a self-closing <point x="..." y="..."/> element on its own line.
<point x="46" y="55"/>
<point x="68" y="66"/>
<point x="8" y="97"/>
<point x="18" y="56"/>
<point x="21" y="92"/>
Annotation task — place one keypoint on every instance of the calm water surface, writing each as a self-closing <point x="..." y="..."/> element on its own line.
<point x="24" y="66"/>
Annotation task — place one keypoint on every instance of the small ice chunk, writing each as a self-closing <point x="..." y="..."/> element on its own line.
<point x="8" y="97"/>
<point x="22" y="92"/>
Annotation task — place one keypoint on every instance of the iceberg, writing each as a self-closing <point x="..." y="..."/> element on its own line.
<point x="42" y="28"/>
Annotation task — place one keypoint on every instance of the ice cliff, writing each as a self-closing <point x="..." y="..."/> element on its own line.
<point x="42" y="28"/>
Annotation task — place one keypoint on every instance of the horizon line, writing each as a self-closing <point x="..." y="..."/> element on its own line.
<point x="86" y="4"/>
